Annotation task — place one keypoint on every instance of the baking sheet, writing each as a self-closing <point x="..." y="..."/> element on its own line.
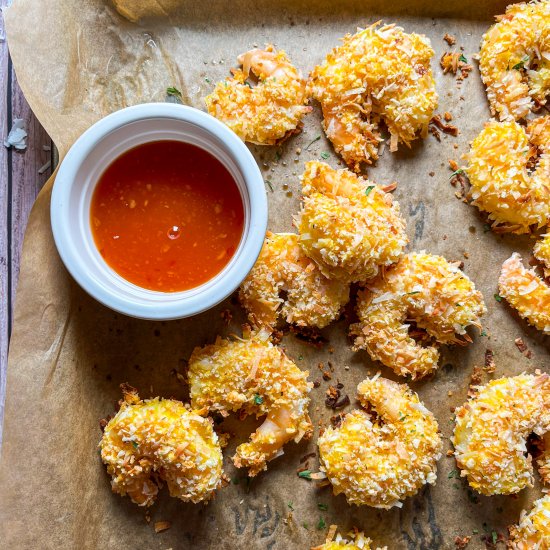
<point x="79" y="60"/>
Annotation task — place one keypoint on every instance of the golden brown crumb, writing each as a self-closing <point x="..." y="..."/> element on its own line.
<point x="453" y="165"/>
<point x="475" y="380"/>
<point x="162" y="526"/>
<point x="446" y="128"/>
<point x="462" y="542"/>
<point x="522" y="347"/>
<point x="447" y="116"/>
<point x="451" y="40"/>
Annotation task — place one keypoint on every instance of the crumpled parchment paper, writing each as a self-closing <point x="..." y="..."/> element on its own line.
<point x="79" y="60"/>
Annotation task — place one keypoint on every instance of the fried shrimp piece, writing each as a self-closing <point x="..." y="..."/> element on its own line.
<point x="285" y="283"/>
<point x="347" y="225"/>
<point x="514" y="60"/>
<point x="425" y="289"/>
<point x="533" y="530"/>
<point x="542" y="253"/>
<point x="491" y="433"/>
<point x="253" y="376"/>
<point x="356" y="541"/>
<point x="154" y="440"/>
<point x="269" y="111"/>
<point x="377" y="74"/>
<point x="380" y="459"/>
<point x="526" y="292"/>
<point x="503" y="181"/>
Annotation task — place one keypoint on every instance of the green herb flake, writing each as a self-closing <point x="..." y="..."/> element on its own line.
<point x="305" y="474"/>
<point x="323" y="507"/>
<point x="483" y="333"/>
<point x="270" y="185"/>
<point x="453" y="473"/>
<point x="312" y="142"/>
<point x="290" y="506"/>
<point x="475" y="531"/>
<point x="278" y="155"/>
<point x="325" y="155"/>
<point x="458" y="172"/>
<point x="321" y="524"/>
<point x="521" y="64"/>
<point x="498" y="297"/>
<point x="305" y="525"/>
<point x="368" y="190"/>
<point x="172" y="91"/>
<point x="494" y="536"/>
<point x="207" y="80"/>
<point x="258" y="399"/>
<point x="486" y="228"/>
<point x="135" y="445"/>
<point x="413" y="292"/>
<point x="300" y="357"/>
<point x="463" y="58"/>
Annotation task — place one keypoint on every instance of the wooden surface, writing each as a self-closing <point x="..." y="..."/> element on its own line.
<point x="20" y="182"/>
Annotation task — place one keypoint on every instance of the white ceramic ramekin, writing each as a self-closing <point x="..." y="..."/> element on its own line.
<point x="82" y="168"/>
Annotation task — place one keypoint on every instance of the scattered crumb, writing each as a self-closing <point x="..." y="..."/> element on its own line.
<point x="462" y="542"/>
<point x="227" y="316"/>
<point x="490" y="366"/>
<point x="475" y="380"/>
<point x="449" y="393"/>
<point x="453" y="165"/>
<point x="431" y="174"/>
<point x="446" y="128"/>
<point x="522" y="347"/>
<point x="450" y="452"/>
<point x="447" y="116"/>
<point x="162" y="526"/>
<point x="451" y="40"/>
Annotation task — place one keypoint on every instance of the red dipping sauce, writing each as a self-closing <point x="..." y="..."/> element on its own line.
<point x="167" y="216"/>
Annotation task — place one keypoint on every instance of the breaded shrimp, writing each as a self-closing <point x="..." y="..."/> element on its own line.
<point x="356" y="541"/>
<point x="423" y="288"/>
<point x="378" y="74"/>
<point x="253" y="376"/>
<point x="378" y="460"/>
<point x="491" y="433"/>
<point x="285" y="283"/>
<point x="269" y="111"/>
<point x="503" y="183"/>
<point x="541" y="251"/>
<point x="155" y="440"/>
<point x="526" y="292"/>
<point x="514" y="60"/>
<point x="347" y="225"/>
<point x="533" y="530"/>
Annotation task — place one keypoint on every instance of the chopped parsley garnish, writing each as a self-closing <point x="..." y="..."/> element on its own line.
<point x="463" y="58"/>
<point x="305" y="525"/>
<point x="486" y="227"/>
<point x="306" y="474"/>
<point x="207" y="80"/>
<point x="453" y="473"/>
<point x="457" y="172"/>
<point x="498" y="297"/>
<point x="135" y="444"/>
<point x="270" y="185"/>
<point x="258" y="399"/>
<point x="413" y="292"/>
<point x="368" y="190"/>
<point x="325" y="155"/>
<point x="312" y="142"/>
<point x="494" y="536"/>
<point x="483" y="333"/>
<point x="172" y="91"/>
<point x="475" y="531"/>
<point x="323" y="507"/>
<point x="402" y="416"/>
<point x="291" y="507"/>
<point x="521" y="64"/>
<point x="321" y="524"/>
<point x="300" y="357"/>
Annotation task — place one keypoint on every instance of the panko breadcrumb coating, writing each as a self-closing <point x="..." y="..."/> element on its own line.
<point x="541" y="251"/>
<point x="491" y="433"/>
<point x="378" y="74"/>
<point x="514" y="60"/>
<point x="285" y="283"/>
<point x="159" y="440"/>
<point x="423" y="288"/>
<point x="526" y="292"/>
<point x="348" y="226"/>
<point x="253" y="376"/>
<point x="380" y="459"/>
<point x="356" y="540"/>
<point x="533" y="530"/>
<point x="504" y="184"/>
<point x="269" y="111"/>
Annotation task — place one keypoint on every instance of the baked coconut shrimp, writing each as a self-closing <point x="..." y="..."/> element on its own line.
<point x="533" y="530"/>
<point x="491" y="433"/>
<point x="526" y="292"/>
<point x="423" y="288"/>
<point x="285" y="284"/>
<point x="253" y="376"/>
<point x="159" y="440"/>
<point x="514" y="60"/>
<point x="379" y="459"/>
<point x="269" y="111"/>
<point x="504" y="182"/>
<point x="356" y="540"/>
<point x="379" y="74"/>
<point x="542" y="253"/>
<point x="348" y="226"/>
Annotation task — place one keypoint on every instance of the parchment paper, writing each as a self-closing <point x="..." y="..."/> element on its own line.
<point x="77" y="60"/>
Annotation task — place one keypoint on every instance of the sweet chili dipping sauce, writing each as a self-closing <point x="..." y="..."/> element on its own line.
<point x="167" y="216"/>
